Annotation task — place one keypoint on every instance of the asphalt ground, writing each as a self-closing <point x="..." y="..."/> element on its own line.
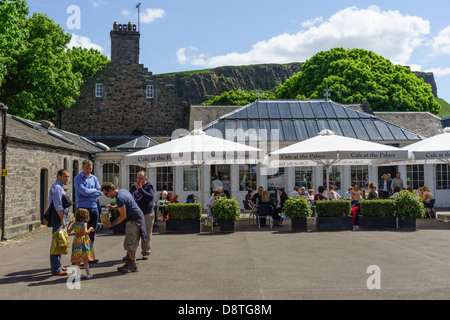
<point x="249" y="265"/>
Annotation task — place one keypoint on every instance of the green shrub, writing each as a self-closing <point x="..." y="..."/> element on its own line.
<point x="334" y="208"/>
<point x="408" y="204"/>
<point x="184" y="211"/>
<point x="226" y="209"/>
<point x="377" y="208"/>
<point x="296" y="208"/>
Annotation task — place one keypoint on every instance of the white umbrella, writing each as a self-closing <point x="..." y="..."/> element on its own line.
<point x="435" y="149"/>
<point x="328" y="149"/>
<point x="197" y="148"/>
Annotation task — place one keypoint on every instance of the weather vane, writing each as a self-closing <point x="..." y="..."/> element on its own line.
<point x="138" y="6"/>
<point x="327" y="93"/>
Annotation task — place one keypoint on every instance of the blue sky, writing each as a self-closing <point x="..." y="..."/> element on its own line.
<point x="182" y="35"/>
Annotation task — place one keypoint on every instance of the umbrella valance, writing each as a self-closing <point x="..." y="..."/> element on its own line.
<point x="327" y="149"/>
<point x="197" y="148"/>
<point x="435" y="149"/>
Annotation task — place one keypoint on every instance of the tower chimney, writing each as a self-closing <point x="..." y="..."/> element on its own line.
<point x="124" y="44"/>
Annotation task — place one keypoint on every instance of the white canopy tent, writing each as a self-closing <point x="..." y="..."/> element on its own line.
<point x="196" y="148"/>
<point x="435" y="149"/>
<point x="327" y="149"/>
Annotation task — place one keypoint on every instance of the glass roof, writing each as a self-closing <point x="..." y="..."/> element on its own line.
<point x="298" y="120"/>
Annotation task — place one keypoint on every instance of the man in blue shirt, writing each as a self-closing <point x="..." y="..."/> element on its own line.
<point x="135" y="226"/>
<point x="55" y="196"/>
<point x="87" y="189"/>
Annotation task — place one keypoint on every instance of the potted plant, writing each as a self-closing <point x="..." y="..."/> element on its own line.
<point x="298" y="210"/>
<point x="334" y="215"/>
<point x="408" y="207"/>
<point x="226" y="211"/>
<point x="377" y="214"/>
<point x="184" y="217"/>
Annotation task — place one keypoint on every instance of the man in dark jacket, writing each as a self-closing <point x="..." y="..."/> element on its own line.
<point x="144" y="193"/>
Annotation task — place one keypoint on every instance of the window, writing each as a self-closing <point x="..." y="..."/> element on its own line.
<point x="98" y="90"/>
<point x="247" y="177"/>
<point x="415" y="176"/>
<point x="303" y="177"/>
<point x="149" y="91"/>
<point x="442" y="176"/>
<point x="360" y="176"/>
<point x="164" y="179"/>
<point x="190" y="178"/>
<point x="133" y="171"/>
<point x="111" y="173"/>
<point x="335" y="177"/>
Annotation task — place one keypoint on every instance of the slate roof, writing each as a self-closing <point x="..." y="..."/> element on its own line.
<point x="299" y="120"/>
<point x="28" y="131"/>
<point x="424" y="123"/>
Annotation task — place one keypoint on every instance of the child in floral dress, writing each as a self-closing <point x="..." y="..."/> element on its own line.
<point x="82" y="249"/>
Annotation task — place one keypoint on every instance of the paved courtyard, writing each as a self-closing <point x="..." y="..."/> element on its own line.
<point x="249" y="264"/>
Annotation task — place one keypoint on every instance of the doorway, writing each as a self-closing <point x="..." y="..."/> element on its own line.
<point x="392" y="170"/>
<point x="43" y="193"/>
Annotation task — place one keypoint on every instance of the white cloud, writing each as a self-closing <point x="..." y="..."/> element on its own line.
<point x="441" y="43"/>
<point x="84" y="42"/>
<point x="99" y="3"/>
<point x="311" y="22"/>
<point x="150" y="15"/>
<point x="439" y="72"/>
<point x="388" y="33"/>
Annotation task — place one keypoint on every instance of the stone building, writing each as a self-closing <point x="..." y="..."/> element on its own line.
<point x="35" y="152"/>
<point x="124" y="98"/>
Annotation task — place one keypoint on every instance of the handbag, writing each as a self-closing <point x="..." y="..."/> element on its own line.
<point x="51" y="216"/>
<point x="60" y="242"/>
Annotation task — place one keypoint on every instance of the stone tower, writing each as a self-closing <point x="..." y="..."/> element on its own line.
<point x="125" y="44"/>
<point x="124" y="99"/>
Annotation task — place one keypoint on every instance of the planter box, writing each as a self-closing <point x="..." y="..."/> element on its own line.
<point x="226" y="225"/>
<point x="299" y="224"/>
<point x="183" y="226"/>
<point x="374" y="222"/>
<point x="335" y="223"/>
<point x="406" y="223"/>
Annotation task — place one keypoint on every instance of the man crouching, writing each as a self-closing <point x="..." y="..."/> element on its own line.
<point x="134" y="227"/>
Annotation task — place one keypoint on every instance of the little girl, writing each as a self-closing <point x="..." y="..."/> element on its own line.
<point x="82" y="249"/>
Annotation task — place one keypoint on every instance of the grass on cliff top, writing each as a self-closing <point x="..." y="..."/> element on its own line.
<point x="445" y="108"/>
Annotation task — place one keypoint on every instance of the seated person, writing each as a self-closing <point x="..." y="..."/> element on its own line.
<point x="249" y="195"/>
<point x="426" y="195"/>
<point x="396" y="192"/>
<point x="164" y="199"/>
<point x="320" y="196"/>
<point x="333" y="194"/>
<point x="174" y="199"/>
<point x="348" y="194"/>
<point x="373" y="194"/>
<point x="279" y="208"/>
<point x="265" y="200"/>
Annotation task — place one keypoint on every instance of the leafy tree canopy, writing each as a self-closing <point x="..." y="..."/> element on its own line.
<point x="238" y="97"/>
<point x="40" y="74"/>
<point x="356" y="74"/>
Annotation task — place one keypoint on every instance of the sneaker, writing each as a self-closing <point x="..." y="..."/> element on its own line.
<point x="132" y="267"/>
<point x="89" y="276"/>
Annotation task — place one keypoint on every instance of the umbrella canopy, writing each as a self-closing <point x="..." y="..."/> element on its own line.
<point x="435" y="149"/>
<point x="195" y="149"/>
<point x="328" y="149"/>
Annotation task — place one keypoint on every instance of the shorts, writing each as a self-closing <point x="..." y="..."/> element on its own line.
<point x="132" y="236"/>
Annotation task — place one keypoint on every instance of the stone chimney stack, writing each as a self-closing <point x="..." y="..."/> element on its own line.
<point x="125" y="44"/>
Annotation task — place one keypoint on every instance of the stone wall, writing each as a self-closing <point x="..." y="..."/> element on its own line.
<point x="124" y="108"/>
<point x="24" y="162"/>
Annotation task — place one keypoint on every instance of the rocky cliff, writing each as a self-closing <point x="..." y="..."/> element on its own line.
<point x="196" y="86"/>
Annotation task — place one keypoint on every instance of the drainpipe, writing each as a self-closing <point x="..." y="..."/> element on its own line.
<point x="4" y="110"/>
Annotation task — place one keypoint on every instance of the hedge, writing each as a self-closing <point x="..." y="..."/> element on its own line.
<point x="333" y="208"/>
<point x="377" y="208"/>
<point x="184" y="211"/>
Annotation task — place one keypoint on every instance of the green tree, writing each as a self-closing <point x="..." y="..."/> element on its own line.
<point x="356" y="74"/>
<point x="13" y="16"/>
<point x="238" y="98"/>
<point x="87" y="62"/>
<point x="42" y="81"/>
